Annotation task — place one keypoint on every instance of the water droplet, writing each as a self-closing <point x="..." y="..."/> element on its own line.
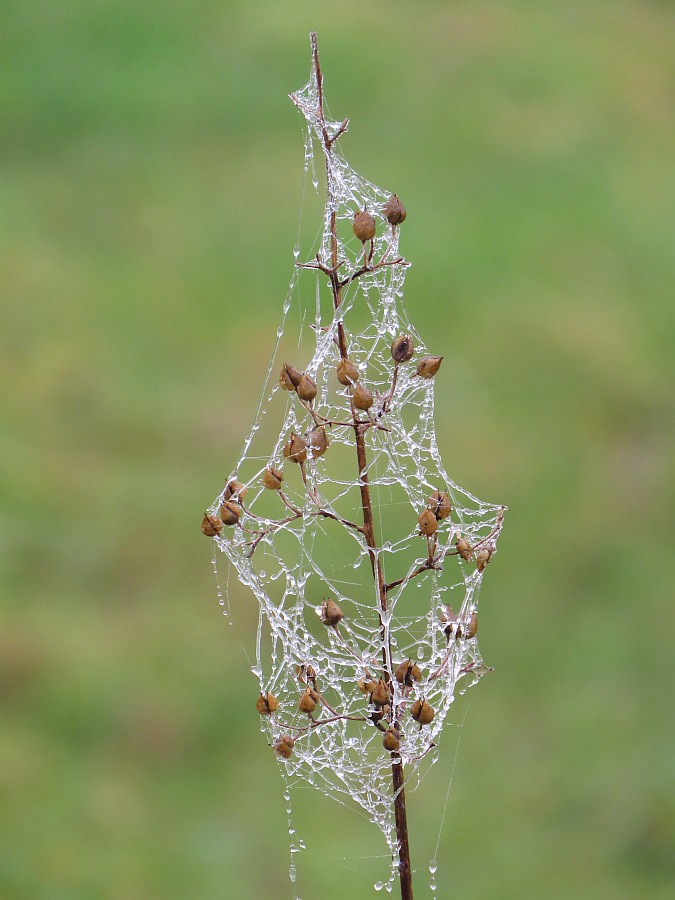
<point x="262" y="574"/>
<point x="433" y="866"/>
<point x="378" y="885"/>
<point x="292" y="873"/>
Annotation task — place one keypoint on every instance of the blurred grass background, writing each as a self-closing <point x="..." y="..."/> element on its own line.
<point x="150" y="169"/>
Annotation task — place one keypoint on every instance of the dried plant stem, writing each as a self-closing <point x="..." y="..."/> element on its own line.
<point x="398" y="779"/>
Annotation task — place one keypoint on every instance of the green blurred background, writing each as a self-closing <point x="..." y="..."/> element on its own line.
<point x="149" y="191"/>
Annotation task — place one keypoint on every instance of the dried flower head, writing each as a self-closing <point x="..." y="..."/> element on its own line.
<point x="391" y="740"/>
<point x="402" y="348"/>
<point x="483" y="558"/>
<point x="440" y="505"/>
<point x="362" y="397"/>
<point x="266" y="704"/>
<point x="452" y="628"/>
<point x="464" y="549"/>
<point x="308" y="700"/>
<point x="427" y="366"/>
<point x="364" y="226"/>
<point x="296" y="449"/>
<point x="472" y="626"/>
<point x="283" y="746"/>
<point x="289" y="377"/>
<point x="234" y="490"/>
<point x="211" y="525"/>
<point x="366" y="686"/>
<point x="330" y="613"/>
<point x="272" y="479"/>
<point x="380" y="695"/>
<point x="427" y="522"/>
<point x="306" y="673"/>
<point x="394" y="211"/>
<point x="347" y="373"/>
<point x="408" y="672"/>
<point x="306" y="389"/>
<point x="422" y="712"/>
<point x="318" y="441"/>
<point x="229" y="512"/>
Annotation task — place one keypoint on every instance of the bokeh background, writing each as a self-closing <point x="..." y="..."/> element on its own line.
<point x="149" y="193"/>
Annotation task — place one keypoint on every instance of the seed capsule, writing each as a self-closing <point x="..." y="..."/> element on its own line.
<point x="318" y="442"/>
<point x="283" y="746"/>
<point x="306" y="674"/>
<point x="452" y="629"/>
<point x="347" y="373"/>
<point x="229" y="512"/>
<point x="464" y="549"/>
<point x="427" y="522"/>
<point x="391" y="740"/>
<point x="428" y="366"/>
<point x="289" y="377"/>
<point x="211" y="525"/>
<point x="366" y="687"/>
<point x="408" y="672"/>
<point x="472" y="627"/>
<point x="422" y="712"/>
<point x="235" y="489"/>
<point x="308" y="701"/>
<point x="482" y="559"/>
<point x="362" y="397"/>
<point x="364" y="226"/>
<point x="440" y="505"/>
<point x="394" y="211"/>
<point x="331" y="613"/>
<point x="272" y="479"/>
<point x="296" y="449"/>
<point x="266" y="704"/>
<point x="306" y="389"/>
<point x="380" y="695"/>
<point x="402" y="348"/>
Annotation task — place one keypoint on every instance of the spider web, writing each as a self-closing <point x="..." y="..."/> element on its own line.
<point x="297" y="547"/>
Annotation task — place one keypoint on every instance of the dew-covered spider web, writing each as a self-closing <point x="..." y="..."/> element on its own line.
<point x="304" y="545"/>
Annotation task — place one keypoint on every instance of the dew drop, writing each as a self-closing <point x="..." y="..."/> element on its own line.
<point x="378" y="885"/>
<point x="433" y="866"/>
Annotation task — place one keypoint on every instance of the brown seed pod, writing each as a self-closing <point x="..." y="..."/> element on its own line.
<point x="464" y="549"/>
<point x="394" y="211"/>
<point x="380" y="695"/>
<point x="422" y="712"/>
<point x="365" y="686"/>
<point x="362" y="397"/>
<point x="306" y="674"/>
<point x="483" y="558"/>
<point x="347" y="373"/>
<point x="408" y="672"/>
<point x="472" y="627"/>
<point x="440" y="505"/>
<point x="391" y="740"/>
<point x="289" y="377"/>
<point x="266" y="704"/>
<point x="428" y="366"/>
<point x="229" y="512"/>
<point x="235" y="490"/>
<point x="283" y="746"/>
<point x="427" y="522"/>
<point x="211" y="525"/>
<point x="308" y="700"/>
<point x="272" y="479"/>
<point x="296" y="449"/>
<point x="453" y="628"/>
<point x="318" y="442"/>
<point x="364" y="226"/>
<point x="306" y="389"/>
<point x="402" y="348"/>
<point x="331" y="613"/>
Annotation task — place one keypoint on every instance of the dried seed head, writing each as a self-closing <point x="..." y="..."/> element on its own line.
<point x="464" y="549"/>
<point x="308" y="700"/>
<point x="440" y="505"/>
<point x="330" y="613"/>
<point x="428" y="366"/>
<point x="266" y="704"/>
<point x="318" y="442"/>
<point x="235" y="490"/>
<point x="211" y="525"/>
<point x="362" y="397"/>
<point x="428" y="522"/>
<point x="306" y="673"/>
<point x="296" y="449"/>
<point x="408" y="672"/>
<point x="394" y="211"/>
<point x="422" y="712"/>
<point x="483" y="558"/>
<point x="452" y="629"/>
<point x="347" y="373"/>
<point x="283" y="746"/>
<point x="306" y="389"/>
<point x="402" y="348"/>
<point x="380" y="694"/>
<point x="365" y="686"/>
<point x="472" y="627"/>
<point x="364" y="226"/>
<point x="272" y="479"/>
<point x="289" y="377"/>
<point x="391" y="740"/>
<point x="229" y="512"/>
